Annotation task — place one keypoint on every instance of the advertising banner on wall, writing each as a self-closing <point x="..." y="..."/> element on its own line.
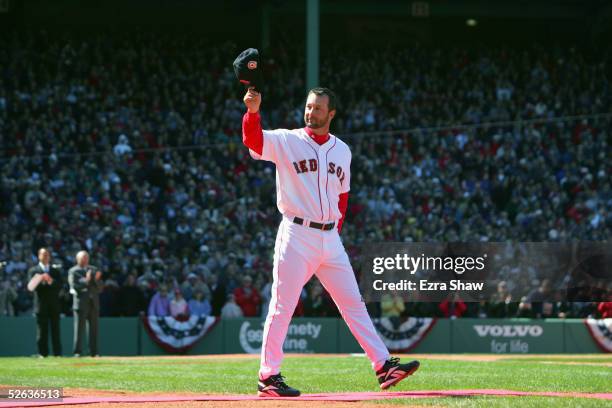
<point x="303" y="336"/>
<point x="501" y="336"/>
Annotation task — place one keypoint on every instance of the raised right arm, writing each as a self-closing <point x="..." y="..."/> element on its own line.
<point x="252" y="134"/>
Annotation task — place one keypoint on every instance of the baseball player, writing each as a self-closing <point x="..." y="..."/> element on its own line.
<point x="312" y="184"/>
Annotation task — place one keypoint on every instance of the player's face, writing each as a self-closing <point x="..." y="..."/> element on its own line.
<point x="316" y="112"/>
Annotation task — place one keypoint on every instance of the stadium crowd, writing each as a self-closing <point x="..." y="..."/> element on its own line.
<point x="128" y="145"/>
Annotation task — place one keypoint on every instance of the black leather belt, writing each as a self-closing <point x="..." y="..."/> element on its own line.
<point x="315" y="225"/>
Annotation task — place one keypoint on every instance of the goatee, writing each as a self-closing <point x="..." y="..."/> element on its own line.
<point x="314" y="126"/>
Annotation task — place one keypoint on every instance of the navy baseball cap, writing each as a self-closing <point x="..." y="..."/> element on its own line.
<point x="247" y="67"/>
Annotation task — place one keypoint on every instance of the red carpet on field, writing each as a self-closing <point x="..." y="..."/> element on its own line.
<point x="348" y="396"/>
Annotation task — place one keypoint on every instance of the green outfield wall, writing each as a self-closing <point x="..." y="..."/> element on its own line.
<point x="127" y="337"/>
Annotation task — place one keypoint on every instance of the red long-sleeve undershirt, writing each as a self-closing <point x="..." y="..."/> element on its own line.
<point x="252" y="134"/>
<point x="252" y="137"/>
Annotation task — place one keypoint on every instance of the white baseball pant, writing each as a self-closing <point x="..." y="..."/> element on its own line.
<point x="301" y="251"/>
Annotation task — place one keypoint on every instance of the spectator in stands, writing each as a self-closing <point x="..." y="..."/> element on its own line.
<point x="231" y="310"/>
<point x="24" y="302"/>
<point x="122" y="147"/>
<point x="230" y="276"/>
<point x="131" y="299"/>
<point x="524" y="308"/>
<point x="194" y="283"/>
<point x="187" y="287"/>
<point x="478" y="309"/>
<point x="541" y="300"/>
<point x="160" y="303"/>
<point x="605" y="310"/>
<point x="179" y="309"/>
<point x="316" y="303"/>
<point x="8" y="295"/>
<point x="391" y="306"/>
<point x="266" y="293"/>
<point x="218" y="294"/>
<point x="109" y="299"/>
<point x="453" y="307"/>
<point x="500" y="304"/>
<point x="199" y="305"/>
<point x="247" y="297"/>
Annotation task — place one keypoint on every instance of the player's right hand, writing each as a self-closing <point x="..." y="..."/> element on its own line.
<point x="252" y="100"/>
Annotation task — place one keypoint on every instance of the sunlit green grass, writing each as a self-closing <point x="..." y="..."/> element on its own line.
<point x="315" y="374"/>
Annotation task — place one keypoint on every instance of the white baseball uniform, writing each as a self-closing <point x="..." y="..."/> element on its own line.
<point x="309" y="179"/>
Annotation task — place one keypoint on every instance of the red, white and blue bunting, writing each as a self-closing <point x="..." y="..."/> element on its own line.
<point x="601" y="331"/>
<point x="178" y="336"/>
<point x="402" y="335"/>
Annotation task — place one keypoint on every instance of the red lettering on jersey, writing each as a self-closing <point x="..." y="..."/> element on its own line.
<point x="297" y="169"/>
<point x="342" y="179"/>
<point x="339" y="171"/>
<point x="313" y="164"/>
<point x="303" y="168"/>
<point x="332" y="167"/>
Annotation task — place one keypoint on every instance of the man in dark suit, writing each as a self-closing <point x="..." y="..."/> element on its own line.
<point x="85" y="285"/>
<point x="45" y="281"/>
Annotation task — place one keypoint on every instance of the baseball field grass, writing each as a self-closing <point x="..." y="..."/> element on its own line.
<point x="321" y="373"/>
